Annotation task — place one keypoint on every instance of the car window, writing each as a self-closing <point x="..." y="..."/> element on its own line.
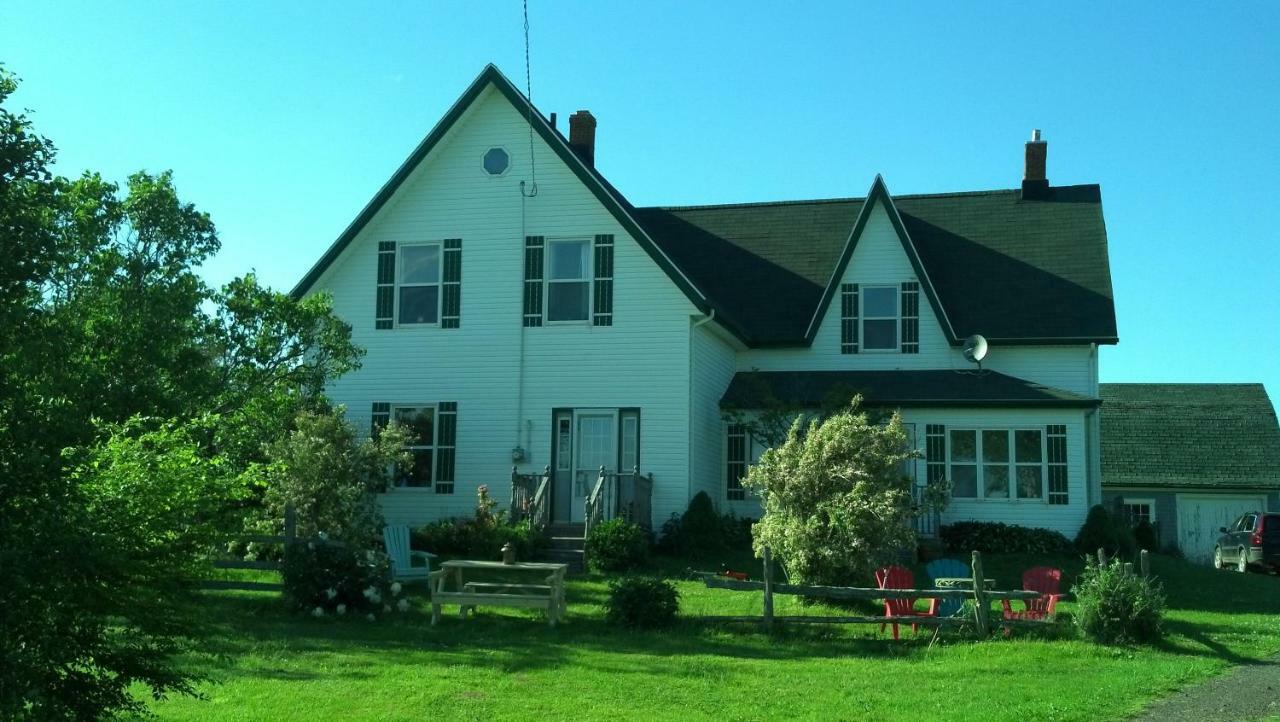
<point x="1236" y="527"/>
<point x="1246" y="523"/>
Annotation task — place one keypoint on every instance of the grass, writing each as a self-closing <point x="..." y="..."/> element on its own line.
<point x="263" y="662"/>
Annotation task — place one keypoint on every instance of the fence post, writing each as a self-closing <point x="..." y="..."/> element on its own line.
<point x="290" y="525"/>
<point x="981" y="604"/>
<point x="1144" y="563"/>
<point x="1102" y="557"/>
<point x="1128" y="568"/>
<point x="768" y="590"/>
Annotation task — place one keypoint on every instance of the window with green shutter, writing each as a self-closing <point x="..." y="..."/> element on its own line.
<point x="603" y="283"/>
<point x="385" y="290"/>
<point x="1056" y="443"/>
<point x="533" y="261"/>
<point x="451" y="288"/>
<point x="910" y="306"/>
<point x="848" y="318"/>
<point x="446" y="443"/>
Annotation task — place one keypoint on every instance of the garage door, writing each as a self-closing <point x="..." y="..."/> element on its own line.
<point x="1200" y="517"/>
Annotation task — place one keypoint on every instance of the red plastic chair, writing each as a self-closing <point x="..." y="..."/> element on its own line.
<point x="896" y="577"/>
<point x="1045" y="580"/>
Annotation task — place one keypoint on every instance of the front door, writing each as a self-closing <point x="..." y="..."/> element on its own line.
<point x="562" y="481"/>
<point x="595" y="446"/>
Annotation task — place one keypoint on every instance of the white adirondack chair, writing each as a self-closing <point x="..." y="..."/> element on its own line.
<point x="396" y="538"/>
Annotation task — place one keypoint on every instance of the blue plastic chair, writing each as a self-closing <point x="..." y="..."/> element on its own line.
<point x="947" y="568"/>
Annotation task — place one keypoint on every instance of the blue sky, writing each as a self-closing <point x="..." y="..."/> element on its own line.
<point x="282" y="120"/>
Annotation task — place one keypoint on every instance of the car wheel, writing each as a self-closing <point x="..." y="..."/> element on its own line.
<point x="1217" y="557"/>
<point x="1242" y="562"/>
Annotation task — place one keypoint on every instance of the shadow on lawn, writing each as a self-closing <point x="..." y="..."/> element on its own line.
<point x="257" y="628"/>
<point x="1202" y="634"/>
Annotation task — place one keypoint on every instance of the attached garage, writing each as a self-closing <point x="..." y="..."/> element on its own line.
<point x="1189" y="458"/>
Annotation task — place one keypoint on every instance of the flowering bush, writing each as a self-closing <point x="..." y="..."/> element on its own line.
<point x="836" y="503"/>
<point x="333" y="580"/>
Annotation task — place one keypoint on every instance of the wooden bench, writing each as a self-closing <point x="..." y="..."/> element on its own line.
<point x="470" y="594"/>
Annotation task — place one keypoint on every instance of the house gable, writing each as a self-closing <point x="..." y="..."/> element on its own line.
<point x="878" y="205"/>
<point x="601" y="189"/>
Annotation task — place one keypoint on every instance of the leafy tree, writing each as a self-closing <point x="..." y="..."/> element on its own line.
<point x="104" y="516"/>
<point x="836" y="503"/>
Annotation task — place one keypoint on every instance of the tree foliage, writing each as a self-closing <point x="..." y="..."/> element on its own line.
<point x="134" y="401"/>
<point x="836" y="502"/>
<point x="329" y="475"/>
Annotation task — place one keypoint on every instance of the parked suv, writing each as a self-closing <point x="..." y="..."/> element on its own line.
<point x="1253" y="541"/>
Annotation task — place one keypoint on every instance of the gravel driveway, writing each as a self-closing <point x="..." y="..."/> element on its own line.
<point x="1247" y="692"/>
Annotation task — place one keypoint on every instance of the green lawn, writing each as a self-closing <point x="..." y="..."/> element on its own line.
<point x="265" y="663"/>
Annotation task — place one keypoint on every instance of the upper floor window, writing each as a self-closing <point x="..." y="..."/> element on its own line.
<point x="879" y="318"/>
<point x="568" y="280"/>
<point x="418" y="285"/>
<point x="496" y="161"/>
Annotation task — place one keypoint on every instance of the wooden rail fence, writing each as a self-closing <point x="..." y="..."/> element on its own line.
<point x="285" y="540"/>
<point x="981" y="596"/>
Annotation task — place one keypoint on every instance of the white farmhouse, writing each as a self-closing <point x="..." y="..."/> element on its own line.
<point x="568" y="330"/>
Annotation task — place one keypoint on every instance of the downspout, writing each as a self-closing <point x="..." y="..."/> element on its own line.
<point x="689" y="400"/>
<point x="1093" y="440"/>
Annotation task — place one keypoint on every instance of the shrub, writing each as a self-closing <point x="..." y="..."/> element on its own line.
<point x="325" y="579"/>
<point x="1146" y="537"/>
<point x="701" y="530"/>
<point x="478" y="540"/>
<point x="641" y="602"/>
<point x="1103" y="531"/>
<point x="329" y="475"/>
<point x="836" y="504"/>
<point x="616" y="545"/>
<point x="1114" y="607"/>
<point x="997" y="538"/>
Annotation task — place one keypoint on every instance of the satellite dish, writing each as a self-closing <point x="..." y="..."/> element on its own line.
<point x="975" y="349"/>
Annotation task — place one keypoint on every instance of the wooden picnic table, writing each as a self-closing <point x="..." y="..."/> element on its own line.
<point x="960" y="582"/>
<point x="548" y="595"/>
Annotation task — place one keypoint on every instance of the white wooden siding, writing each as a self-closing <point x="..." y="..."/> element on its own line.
<point x="641" y="361"/>
<point x="713" y="369"/>
<point x="879" y="258"/>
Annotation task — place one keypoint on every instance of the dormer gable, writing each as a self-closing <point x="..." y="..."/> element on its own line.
<point x="878" y="285"/>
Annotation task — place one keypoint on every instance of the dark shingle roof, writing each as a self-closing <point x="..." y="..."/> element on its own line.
<point x="1189" y="435"/>
<point x="1010" y="269"/>
<point x="968" y="389"/>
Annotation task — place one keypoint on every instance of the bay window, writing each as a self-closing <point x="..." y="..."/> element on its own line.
<point x="996" y="463"/>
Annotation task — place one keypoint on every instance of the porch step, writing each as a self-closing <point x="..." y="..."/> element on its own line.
<point x="566" y="529"/>
<point x="573" y="557"/>
<point x="568" y="543"/>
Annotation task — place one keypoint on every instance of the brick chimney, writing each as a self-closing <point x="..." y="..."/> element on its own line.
<point x="582" y="135"/>
<point x="1035" y="186"/>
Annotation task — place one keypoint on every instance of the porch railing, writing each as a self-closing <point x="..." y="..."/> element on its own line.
<point x="927" y="520"/>
<point x="621" y="495"/>
<point x="531" y="498"/>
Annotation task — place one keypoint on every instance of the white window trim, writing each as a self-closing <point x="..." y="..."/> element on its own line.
<point x="1012" y="463"/>
<point x="588" y="278"/>
<point x="1131" y="500"/>
<point x="439" y="284"/>
<point x="434" y="446"/>
<point x="485" y="172"/>
<point x="863" y="318"/>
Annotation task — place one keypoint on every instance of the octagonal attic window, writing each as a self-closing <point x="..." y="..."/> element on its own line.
<point x="496" y="161"/>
